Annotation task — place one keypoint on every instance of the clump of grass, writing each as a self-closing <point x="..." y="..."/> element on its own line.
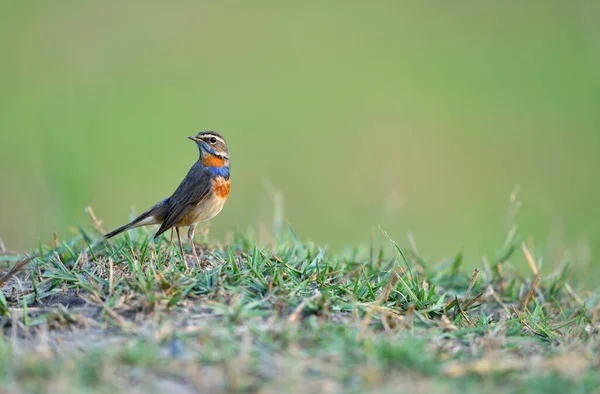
<point x="289" y="317"/>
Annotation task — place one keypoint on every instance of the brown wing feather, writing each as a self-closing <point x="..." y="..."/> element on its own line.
<point x="192" y="190"/>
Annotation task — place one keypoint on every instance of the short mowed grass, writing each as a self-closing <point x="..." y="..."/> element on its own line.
<point x="86" y="315"/>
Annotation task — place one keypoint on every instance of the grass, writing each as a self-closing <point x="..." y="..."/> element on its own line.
<point x="90" y="316"/>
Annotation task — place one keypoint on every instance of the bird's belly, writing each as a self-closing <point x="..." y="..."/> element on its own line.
<point x="205" y="210"/>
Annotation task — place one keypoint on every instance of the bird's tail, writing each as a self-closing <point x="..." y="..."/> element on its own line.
<point x="142" y="220"/>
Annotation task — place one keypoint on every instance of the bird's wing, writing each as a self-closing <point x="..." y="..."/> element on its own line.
<point x="192" y="190"/>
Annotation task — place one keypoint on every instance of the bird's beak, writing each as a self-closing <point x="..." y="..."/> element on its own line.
<point x="194" y="138"/>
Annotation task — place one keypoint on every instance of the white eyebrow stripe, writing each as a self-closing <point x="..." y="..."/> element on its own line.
<point x="213" y="135"/>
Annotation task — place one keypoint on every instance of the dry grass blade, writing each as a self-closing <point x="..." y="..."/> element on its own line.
<point x="296" y="314"/>
<point x="410" y="315"/>
<point x="534" y="285"/>
<point x="388" y="290"/>
<point x="97" y="223"/>
<point x="111" y="275"/>
<point x="523" y="321"/>
<point x="475" y="299"/>
<point x="573" y="294"/>
<point x="15" y="269"/>
<point x="111" y="313"/>
<point x="500" y="272"/>
<point x="530" y="259"/>
<point x="473" y="279"/>
<point x="497" y="298"/>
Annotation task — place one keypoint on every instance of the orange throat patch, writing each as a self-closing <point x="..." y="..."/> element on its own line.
<point x="209" y="160"/>
<point x="221" y="187"/>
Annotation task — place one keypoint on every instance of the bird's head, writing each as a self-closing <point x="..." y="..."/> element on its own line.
<point x="213" y="148"/>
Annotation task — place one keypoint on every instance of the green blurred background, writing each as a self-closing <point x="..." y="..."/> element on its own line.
<point x="420" y="117"/>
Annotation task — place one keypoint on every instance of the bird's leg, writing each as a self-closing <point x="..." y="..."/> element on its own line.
<point x="191" y="238"/>
<point x="181" y="247"/>
<point x="191" y="231"/>
<point x="171" y="242"/>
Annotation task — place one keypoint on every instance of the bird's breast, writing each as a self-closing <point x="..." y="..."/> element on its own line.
<point x="221" y="187"/>
<point x="215" y="161"/>
<point x="210" y="206"/>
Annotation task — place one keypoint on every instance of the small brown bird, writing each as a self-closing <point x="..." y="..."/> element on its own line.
<point x="199" y="197"/>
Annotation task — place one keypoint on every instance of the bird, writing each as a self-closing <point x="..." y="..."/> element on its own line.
<point x="199" y="198"/>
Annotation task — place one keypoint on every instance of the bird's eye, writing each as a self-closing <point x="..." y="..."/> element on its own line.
<point x="213" y="140"/>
